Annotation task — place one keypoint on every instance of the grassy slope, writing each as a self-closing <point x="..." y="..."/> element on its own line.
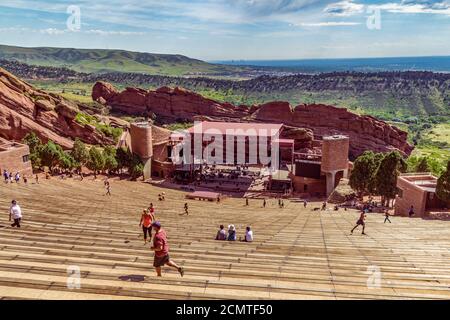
<point x="98" y="60"/>
<point x="436" y="142"/>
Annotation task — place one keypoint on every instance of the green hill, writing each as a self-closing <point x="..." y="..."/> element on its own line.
<point x="102" y="61"/>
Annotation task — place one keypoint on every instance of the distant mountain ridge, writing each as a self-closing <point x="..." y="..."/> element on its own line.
<point x="105" y="60"/>
<point x="386" y="94"/>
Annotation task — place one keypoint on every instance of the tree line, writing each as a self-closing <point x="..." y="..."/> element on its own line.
<point x="376" y="174"/>
<point x="106" y="159"/>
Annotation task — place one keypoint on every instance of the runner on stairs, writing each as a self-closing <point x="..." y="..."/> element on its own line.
<point x="161" y="248"/>
<point x="146" y="222"/>
<point x="361" y="222"/>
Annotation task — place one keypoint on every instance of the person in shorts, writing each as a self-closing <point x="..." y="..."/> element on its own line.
<point x="15" y="213"/>
<point x="360" y="222"/>
<point x="161" y="248"/>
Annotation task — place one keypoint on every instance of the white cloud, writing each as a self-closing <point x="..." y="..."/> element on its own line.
<point x="349" y="7"/>
<point x="50" y="31"/>
<point x="114" y="33"/>
<point x="328" y="24"/>
<point x="344" y="8"/>
<point x="416" y="7"/>
<point x="53" y="31"/>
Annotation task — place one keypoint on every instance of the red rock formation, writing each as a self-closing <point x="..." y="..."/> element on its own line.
<point x="166" y="103"/>
<point x="365" y="132"/>
<point x="24" y="109"/>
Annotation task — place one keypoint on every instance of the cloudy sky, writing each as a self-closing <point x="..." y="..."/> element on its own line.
<point x="234" y="29"/>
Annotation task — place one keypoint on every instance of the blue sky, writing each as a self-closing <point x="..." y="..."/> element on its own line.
<point x="235" y="29"/>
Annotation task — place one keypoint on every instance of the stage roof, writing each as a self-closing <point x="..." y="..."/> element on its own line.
<point x="247" y="129"/>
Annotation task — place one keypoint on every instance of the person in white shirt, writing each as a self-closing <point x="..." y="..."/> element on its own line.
<point x="15" y="213"/>
<point x="248" y="235"/>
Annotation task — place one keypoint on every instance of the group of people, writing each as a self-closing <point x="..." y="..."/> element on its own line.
<point x="366" y="209"/>
<point x="162" y="196"/>
<point x="160" y="244"/>
<point x="10" y="177"/>
<point x="231" y="235"/>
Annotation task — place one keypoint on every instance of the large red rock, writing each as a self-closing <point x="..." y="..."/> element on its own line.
<point x="103" y="90"/>
<point x="24" y="109"/>
<point x="170" y="105"/>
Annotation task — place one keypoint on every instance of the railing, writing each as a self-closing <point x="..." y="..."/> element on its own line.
<point x="406" y="174"/>
<point x="307" y="157"/>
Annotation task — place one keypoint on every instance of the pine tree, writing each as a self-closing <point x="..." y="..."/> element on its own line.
<point x="443" y="185"/>
<point x="80" y="153"/>
<point x="51" y="155"/>
<point x="386" y="175"/>
<point x="35" y="145"/>
<point x="96" y="161"/>
<point x="423" y="165"/>
<point x="363" y="173"/>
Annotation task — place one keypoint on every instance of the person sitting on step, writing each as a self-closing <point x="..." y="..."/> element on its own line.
<point x="221" y="234"/>
<point x="231" y="233"/>
<point x="248" y="235"/>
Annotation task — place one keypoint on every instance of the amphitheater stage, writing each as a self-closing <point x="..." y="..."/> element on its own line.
<point x="203" y="195"/>
<point x="297" y="253"/>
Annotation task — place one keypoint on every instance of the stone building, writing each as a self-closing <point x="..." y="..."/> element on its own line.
<point x="319" y="171"/>
<point x="417" y="190"/>
<point x="15" y="157"/>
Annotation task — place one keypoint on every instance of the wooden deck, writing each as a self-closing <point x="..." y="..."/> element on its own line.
<point x="297" y="253"/>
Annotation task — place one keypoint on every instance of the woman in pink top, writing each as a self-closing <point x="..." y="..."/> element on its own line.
<point x="146" y="222"/>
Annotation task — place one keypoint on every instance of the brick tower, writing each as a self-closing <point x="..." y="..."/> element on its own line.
<point x="142" y="145"/>
<point x="334" y="159"/>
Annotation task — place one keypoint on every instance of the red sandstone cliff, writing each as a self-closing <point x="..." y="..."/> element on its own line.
<point x="365" y="132"/>
<point x="24" y="109"/>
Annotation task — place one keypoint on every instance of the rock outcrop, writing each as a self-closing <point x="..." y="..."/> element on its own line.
<point x="342" y="193"/>
<point x="24" y="109"/>
<point x="170" y="105"/>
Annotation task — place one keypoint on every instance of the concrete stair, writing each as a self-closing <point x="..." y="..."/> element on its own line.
<point x="297" y="253"/>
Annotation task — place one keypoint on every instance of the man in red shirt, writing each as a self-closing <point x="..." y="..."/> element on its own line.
<point x="161" y="248"/>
